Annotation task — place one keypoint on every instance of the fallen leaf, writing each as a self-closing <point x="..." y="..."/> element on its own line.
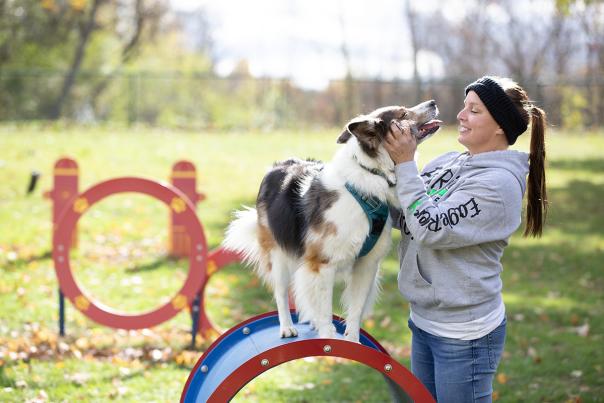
<point x="502" y="378"/>
<point x="82" y="343"/>
<point x="582" y="331"/>
<point x="156" y="355"/>
<point x="11" y="256"/>
<point x="79" y="378"/>
<point x="531" y="352"/>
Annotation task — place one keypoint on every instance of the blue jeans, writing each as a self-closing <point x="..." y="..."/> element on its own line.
<point x="457" y="371"/>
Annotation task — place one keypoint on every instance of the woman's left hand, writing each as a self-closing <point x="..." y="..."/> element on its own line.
<point x="400" y="143"/>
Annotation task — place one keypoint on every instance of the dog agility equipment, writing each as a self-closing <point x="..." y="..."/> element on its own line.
<point x="186" y="239"/>
<point x="254" y="346"/>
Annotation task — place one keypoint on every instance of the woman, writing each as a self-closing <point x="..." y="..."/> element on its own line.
<point x="456" y="218"/>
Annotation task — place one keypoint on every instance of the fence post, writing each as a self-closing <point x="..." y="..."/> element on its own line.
<point x="65" y="188"/>
<point x="184" y="177"/>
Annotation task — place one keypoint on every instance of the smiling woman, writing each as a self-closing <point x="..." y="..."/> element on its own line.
<point x="456" y="218"/>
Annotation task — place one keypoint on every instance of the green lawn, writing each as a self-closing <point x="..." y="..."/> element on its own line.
<point x="553" y="286"/>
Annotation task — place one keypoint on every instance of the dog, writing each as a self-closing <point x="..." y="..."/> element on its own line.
<point x="310" y="224"/>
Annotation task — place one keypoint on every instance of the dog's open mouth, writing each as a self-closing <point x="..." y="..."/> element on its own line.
<point x="428" y="128"/>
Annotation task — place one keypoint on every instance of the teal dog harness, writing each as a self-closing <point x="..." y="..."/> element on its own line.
<point x="377" y="214"/>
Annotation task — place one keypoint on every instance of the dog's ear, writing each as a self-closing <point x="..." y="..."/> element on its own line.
<point x="368" y="130"/>
<point x="344" y="136"/>
<point x="350" y="126"/>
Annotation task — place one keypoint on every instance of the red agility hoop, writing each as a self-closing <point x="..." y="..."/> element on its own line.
<point x="178" y="204"/>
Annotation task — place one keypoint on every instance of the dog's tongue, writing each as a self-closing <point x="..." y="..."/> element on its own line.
<point x="430" y="125"/>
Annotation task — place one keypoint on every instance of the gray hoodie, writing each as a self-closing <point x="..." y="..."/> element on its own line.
<point x="457" y="217"/>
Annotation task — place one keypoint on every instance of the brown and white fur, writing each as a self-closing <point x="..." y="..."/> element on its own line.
<point x="307" y="227"/>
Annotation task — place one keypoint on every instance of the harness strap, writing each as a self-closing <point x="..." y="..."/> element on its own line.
<point x="377" y="214"/>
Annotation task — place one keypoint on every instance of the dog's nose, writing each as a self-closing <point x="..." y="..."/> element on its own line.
<point x="432" y="102"/>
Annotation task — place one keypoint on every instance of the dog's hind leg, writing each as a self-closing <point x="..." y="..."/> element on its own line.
<point x="281" y="278"/>
<point x="314" y="294"/>
<point x="359" y="296"/>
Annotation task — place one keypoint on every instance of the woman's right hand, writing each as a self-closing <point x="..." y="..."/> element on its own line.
<point x="400" y="143"/>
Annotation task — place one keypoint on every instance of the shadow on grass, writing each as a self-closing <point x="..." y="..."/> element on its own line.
<point x="5" y="380"/>
<point x="540" y="272"/>
<point x="561" y="274"/>
<point x="577" y="209"/>
<point x="27" y="260"/>
<point x="153" y="265"/>
<point x="592" y="165"/>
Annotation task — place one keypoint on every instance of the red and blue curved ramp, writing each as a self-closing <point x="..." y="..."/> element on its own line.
<point x="254" y="346"/>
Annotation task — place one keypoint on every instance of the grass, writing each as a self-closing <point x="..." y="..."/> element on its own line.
<point x="552" y="286"/>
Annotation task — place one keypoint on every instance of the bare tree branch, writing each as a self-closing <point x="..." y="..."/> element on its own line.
<point x="85" y="32"/>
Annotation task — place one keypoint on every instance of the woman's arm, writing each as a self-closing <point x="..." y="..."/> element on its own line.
<point x="484" y="208"/>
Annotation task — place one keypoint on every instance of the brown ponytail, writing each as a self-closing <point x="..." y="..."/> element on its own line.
<point x="536" y="208"/>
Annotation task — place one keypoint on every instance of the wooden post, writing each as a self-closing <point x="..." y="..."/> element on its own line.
<point x="184" y="177"/>
<point x="65" y="188"/>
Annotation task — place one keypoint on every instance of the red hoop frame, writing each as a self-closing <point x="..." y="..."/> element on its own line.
<point x="173" y="198"/>
<point x="316" y="348"/>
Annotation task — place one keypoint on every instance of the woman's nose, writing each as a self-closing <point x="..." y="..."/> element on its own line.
<point x="461" y="115"/>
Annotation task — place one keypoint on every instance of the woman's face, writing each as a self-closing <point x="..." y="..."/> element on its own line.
<point x="478" y="131"/>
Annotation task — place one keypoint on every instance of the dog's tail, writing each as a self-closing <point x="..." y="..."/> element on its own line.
<point x="242" y="236"/>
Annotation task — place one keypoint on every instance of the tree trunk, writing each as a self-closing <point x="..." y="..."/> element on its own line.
<point x="411" y="21"/>
<point x="85" y="32"/>
<point x="349" y="98"/>
<point x="127" y="53"/>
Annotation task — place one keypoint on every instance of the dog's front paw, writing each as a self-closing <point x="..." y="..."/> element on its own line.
<point x="327" y="331"/>
<point x="352" y="335"/>
<point x="288" y="331"/>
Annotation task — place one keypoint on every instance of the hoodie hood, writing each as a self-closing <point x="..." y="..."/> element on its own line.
<point x="516" y="162"/>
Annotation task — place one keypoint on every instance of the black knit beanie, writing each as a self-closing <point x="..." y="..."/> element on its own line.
<point x="500" y="106"/>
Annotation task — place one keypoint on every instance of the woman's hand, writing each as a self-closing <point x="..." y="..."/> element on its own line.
<point x="399" y="143"/>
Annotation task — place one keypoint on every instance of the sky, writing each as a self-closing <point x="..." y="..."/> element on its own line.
<point x="302" y="39"/>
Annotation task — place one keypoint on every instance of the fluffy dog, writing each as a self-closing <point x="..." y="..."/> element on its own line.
<point x="316" y="220"/>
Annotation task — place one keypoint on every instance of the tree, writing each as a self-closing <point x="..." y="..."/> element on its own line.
<point x="144" y="22"/>
<point x="592" y="22"/>
<point x="85" y="31"/>
<point x="412" y="23"/>
<point x="142" y="13"/>
<point x="66" y="35"/>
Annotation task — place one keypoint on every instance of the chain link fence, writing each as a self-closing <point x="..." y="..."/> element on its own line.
<point x="205" y="101"/>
